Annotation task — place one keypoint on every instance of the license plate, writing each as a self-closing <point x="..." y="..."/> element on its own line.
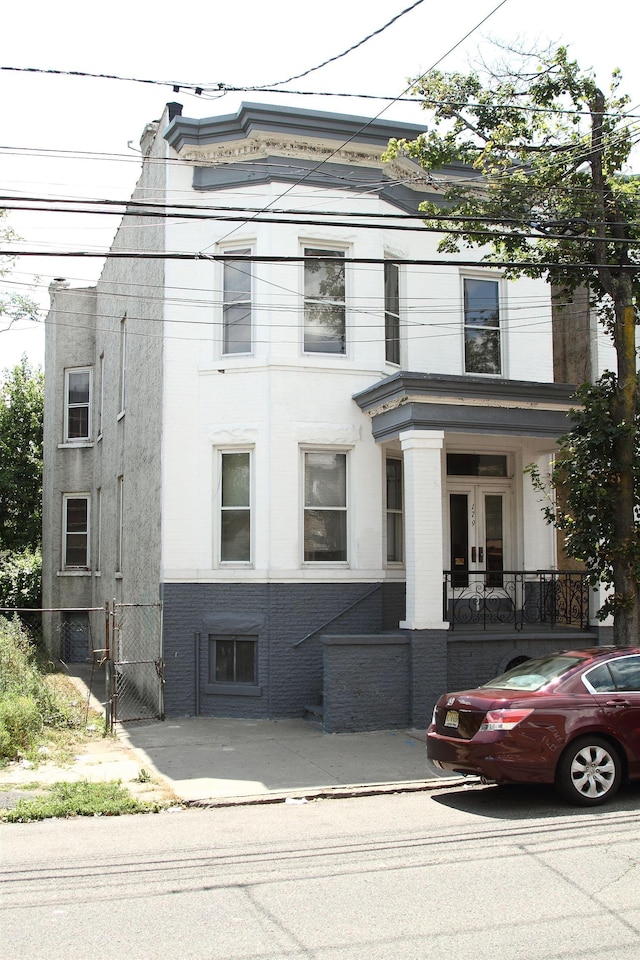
<point x="451" y="719"/>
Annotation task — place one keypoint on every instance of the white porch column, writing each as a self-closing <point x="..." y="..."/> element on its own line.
<point x="422" y="456"/>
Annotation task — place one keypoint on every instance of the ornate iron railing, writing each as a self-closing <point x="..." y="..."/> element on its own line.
<point x="492" y="599"/>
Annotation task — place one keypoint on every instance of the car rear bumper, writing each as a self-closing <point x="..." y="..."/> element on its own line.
<point x="491" y="758"/>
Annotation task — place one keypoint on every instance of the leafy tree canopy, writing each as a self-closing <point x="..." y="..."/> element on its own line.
<point x="13" y="306"/>
<point x="21" y="423"/>
<point x="530" y="161"/>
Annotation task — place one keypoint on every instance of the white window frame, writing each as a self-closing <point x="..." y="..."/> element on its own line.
<point x="346" y="509"/>
<point x="123" y="366"/>
<point x="66" y="499"/>
<point x="389" y="262"/>
<point x="101" y="407"/>
<point x="221" y="452"/>
<point x="398" y="512"/>
<point x="98" y="528"/>
<point x="68" y="406"/>
<point x="241" y="249"/>
<point x="498" y="280"/>
<point x="327" y="247"/>
<point x="119" y="523"/>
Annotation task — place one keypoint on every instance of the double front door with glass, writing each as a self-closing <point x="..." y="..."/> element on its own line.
<point x="478" y="534"/>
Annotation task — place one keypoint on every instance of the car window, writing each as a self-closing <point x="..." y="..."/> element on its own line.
<point x="533" y="674"/>
<point x="600" y="679"/>
<point x="626" y="673"/>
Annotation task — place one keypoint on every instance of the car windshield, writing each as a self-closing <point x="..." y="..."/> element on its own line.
<point x="533" y="674"/>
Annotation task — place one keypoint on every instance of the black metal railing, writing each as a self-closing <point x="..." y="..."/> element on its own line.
<point x="493" y="599"/>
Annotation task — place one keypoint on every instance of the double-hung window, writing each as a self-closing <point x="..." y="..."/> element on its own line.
<point x="236" y="304"/>
<point x="77" y="405"/>
<point x="482" y="347"/>
<point x="235" y="507"/>
<point x="324" y="301"/>
<point x="391" y="312"/>
<point x="75" y="531"/>
<point x="395" y="533"/>
<point x="325" y="506"/>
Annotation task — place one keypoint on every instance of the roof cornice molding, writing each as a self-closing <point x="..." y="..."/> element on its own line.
<point x="403" y="387"/>
<point x="318" y="125"/>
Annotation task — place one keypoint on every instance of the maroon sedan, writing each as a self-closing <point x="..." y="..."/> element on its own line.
<point x="571" y="718"/>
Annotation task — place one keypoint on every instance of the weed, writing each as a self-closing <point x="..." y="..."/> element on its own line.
<point x="82" y="799"/>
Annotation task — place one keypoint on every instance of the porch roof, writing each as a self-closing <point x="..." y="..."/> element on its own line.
<point x="463" y="404"/>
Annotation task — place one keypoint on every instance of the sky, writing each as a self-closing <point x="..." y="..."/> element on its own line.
<point x="78" y="136"/>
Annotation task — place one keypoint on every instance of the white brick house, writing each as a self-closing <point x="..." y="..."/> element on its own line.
<point x="277" y="444"/>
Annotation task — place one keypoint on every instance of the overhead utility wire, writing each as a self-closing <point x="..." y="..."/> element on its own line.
<point x="230" y="88"/>
<point x="379" y="114"/>
<point x="298" y="76"/>
<point x="297" y="221"/>
<point x="264" y="258"/>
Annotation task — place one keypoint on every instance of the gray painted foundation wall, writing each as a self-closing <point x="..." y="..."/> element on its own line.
<point x="290" y="674"/>
<point x="367" y="674"/>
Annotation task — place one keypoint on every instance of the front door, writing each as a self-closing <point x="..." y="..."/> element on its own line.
<point x="478" y="533"/>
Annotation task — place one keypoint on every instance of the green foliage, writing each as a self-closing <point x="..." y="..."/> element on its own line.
<point x="21" y="424"/>
<point x="13" y="306"/>
<point x="530" y="163"/>
<point x="20" y="724"/>
<point x="585" y="476"/>
<point x="82" y="799"/>
<point x="20" y="578"/>
<point x="29" y="703"/>
<point x="542" y="198"/>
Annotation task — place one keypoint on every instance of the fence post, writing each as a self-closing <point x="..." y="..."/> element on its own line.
<point x="108" y="670"/>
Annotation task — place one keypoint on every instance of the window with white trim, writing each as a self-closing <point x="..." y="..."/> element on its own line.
<point x="236" y="304"/>
<point x="77" y="417"/>
<point x="75" y="531"/>
<point x="482" y="346"/>
<point x="391" y="312"/>
<point x="324" y="301"/>
<point x="395" y="517"/>
<point x="235" y="506"/>
<point x="325" y="506"/>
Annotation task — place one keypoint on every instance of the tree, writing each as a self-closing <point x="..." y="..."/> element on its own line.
<point x="13" y="306"/>
<point x="552" y="197"/>
<point x="21" y="421"/>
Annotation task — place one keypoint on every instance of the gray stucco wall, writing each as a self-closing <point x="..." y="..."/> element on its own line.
<point x="366" y="683"/>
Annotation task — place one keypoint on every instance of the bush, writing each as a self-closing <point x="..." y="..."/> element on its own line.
<point x="20" y="578"/>
<point x="20" y="724"/>
<point x="28" y="700"/>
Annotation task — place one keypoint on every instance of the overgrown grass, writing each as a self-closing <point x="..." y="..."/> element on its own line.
<point x="82" y="799"/>
<point x="39" y="710"/>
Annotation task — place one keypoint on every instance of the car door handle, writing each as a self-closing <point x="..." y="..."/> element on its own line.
<point x="617" y="703"/>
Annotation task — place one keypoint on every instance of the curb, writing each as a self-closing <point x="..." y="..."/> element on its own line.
<point x="334" y="793"/>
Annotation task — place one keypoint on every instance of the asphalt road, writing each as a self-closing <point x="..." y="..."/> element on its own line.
<point x="468" y="874"/>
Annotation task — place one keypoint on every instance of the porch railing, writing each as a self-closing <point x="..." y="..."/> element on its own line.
<point x="491" y="599"/>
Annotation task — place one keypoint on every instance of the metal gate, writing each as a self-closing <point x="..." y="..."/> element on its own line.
<point x="135" y="668"/>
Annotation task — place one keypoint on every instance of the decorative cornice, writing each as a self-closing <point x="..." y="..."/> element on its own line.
<point x="425" y="401"/>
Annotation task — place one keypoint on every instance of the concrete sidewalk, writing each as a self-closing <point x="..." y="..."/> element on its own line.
<point x="213" y="762"/>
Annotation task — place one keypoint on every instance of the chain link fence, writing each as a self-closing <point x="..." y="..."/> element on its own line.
<point x="136" y="659"/>
<point x="123" y="638"/>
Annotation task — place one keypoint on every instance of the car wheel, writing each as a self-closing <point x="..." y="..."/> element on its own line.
<point x="589" y="772"/>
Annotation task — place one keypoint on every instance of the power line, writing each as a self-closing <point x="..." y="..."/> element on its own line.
<point x="305" y="73"/>
<point x="222" y="215"/>
<point x="301" y="258"/>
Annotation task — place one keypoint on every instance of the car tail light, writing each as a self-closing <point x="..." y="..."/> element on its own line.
<point x="504" y="719"/>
